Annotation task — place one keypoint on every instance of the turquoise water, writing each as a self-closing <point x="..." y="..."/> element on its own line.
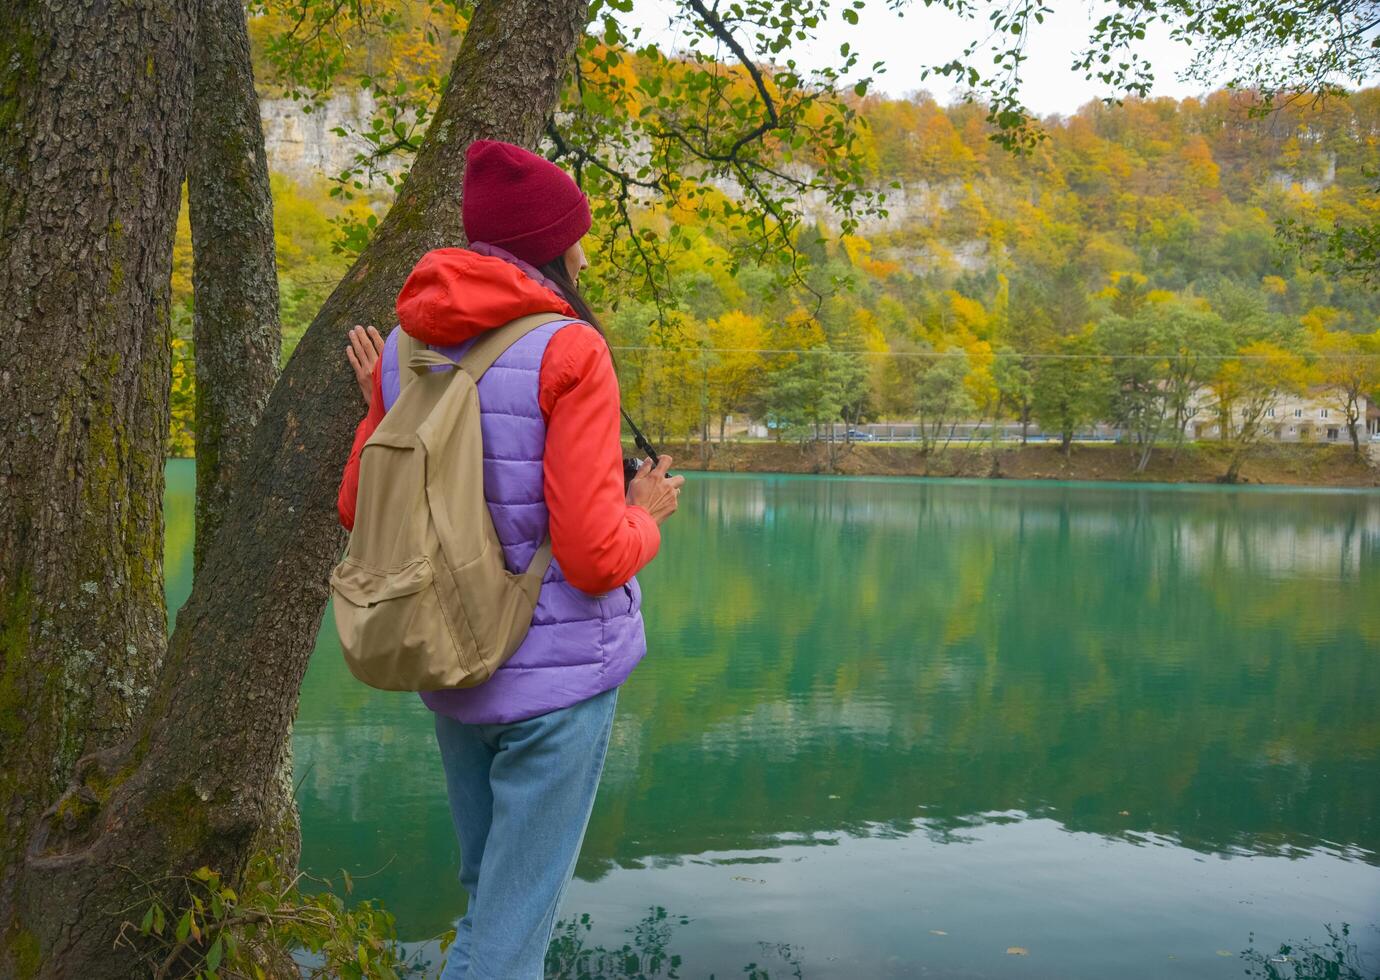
<point x="896" y="728"/>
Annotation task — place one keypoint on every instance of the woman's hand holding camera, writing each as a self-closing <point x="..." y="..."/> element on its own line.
<point x="654" y="491"/>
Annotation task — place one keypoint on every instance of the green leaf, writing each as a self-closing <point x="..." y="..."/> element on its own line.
<point x="213" y="956"/>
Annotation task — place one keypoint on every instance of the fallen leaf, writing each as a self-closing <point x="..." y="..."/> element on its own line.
<point x="1017" y="951"/>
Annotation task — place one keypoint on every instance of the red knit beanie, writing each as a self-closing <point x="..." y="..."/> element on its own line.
<point x="521" y="202"/>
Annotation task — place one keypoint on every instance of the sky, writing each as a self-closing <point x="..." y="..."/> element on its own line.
<point x="920" y="36"/>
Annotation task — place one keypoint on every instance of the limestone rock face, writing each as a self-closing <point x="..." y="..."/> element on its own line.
<point x="302" y="143"/>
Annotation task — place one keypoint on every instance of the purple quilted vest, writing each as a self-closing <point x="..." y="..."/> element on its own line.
<point x="579" y="645"/>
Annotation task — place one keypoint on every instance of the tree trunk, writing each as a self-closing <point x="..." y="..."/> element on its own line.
<point x="235" y="283"/>
<point x="94" y="106"/>
<point x="1144" y="460"/>
<point x="192" y="788"/>
<point x="234" y="273"/>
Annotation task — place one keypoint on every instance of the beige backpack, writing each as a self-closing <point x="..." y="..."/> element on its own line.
<point x="423" y="599"/>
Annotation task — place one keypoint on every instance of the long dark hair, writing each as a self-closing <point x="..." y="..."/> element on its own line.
<point x="556" y="271"/>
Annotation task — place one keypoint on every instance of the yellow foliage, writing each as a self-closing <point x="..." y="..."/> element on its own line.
<point x="979" y="381"/>
<point x="859" y="252"/>
<point x="1319" y="319"/>
<point x="736" y="367"/>
<point x="1262" y="373"/>
<point x="182" y="256"/>
<point x="707" y="256"/>
<point x="963" y="316"/>
<point x="182" y="404"/>
<point x="799" y="331"/>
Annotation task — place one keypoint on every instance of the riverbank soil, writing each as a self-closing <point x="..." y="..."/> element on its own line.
<point x="1277" y="464"/>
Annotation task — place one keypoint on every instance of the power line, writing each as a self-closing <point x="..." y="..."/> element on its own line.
<point x="820" y="351"/>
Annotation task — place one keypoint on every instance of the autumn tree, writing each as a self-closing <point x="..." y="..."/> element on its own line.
<point x="850" y="371"/>
<point x="1349" y="371"/>
<point x="804" y="394"/>
<point x="1159" y="361"/>
<point x="1137" y="402"/>
<point x="941" y="398"/>
<point x="1193" y="343"/>
<point x="1248" y="389"/>
<point x="1069" y="388"/>
<point x="1014" y="380"/>
<point x="736" y="371"/>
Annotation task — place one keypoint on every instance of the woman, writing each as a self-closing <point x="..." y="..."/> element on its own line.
<point x="523" y="752"/>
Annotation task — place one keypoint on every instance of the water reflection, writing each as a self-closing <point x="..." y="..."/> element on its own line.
<point x="648" y="955"/>
<point x="834" y="655"/>
<point x="1147" y="714"/>
<point x="1338" y="958"/>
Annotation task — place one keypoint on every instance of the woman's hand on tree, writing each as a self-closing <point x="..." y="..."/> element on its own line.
<point x="366" y="347"/>
<point x="654" y="491"/>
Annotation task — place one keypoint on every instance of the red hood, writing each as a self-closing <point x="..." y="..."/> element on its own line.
<point x="454" y="294"/>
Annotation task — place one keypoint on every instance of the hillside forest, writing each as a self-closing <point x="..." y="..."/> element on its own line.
<point x="1140" y="262"/>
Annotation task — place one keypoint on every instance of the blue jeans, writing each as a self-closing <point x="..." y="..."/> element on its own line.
<point x="520" y="795"/>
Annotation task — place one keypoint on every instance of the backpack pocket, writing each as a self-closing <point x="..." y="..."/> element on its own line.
<point x="364" y="585"/>
<point x="394" y="629"/>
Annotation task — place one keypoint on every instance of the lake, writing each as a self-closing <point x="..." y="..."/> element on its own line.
<point x="904" y="728"/>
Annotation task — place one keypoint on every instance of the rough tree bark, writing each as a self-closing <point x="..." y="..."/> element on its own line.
<point x="191" y="787"/>
<point x="235" y="283"/>
<point x="94" y="107"/>
<point x="234" y="272"/>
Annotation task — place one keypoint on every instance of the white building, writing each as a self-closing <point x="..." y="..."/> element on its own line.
<point x="1317" y="416"/>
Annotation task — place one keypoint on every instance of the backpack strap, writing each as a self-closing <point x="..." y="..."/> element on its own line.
<point x="475" y="362"/>
<point x="536" y="570"/>
<point x="407" y="346"/>
<point x="481" y="354"/>
<point x="490" y="347"/>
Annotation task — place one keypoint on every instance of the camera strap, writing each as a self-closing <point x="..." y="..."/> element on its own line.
<point x="639" y="439"/>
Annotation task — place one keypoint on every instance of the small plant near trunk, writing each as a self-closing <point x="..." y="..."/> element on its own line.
<point x="270" y="927"/>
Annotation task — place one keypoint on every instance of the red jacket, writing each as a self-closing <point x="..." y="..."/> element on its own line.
<point x="599" y="540"/>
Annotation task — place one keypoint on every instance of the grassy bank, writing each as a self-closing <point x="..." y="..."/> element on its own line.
<point x="1284" y="465"/>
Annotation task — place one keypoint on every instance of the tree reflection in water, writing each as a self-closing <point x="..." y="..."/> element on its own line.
<point x="1337" y="959"/>
<point x="648" y="956"/>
